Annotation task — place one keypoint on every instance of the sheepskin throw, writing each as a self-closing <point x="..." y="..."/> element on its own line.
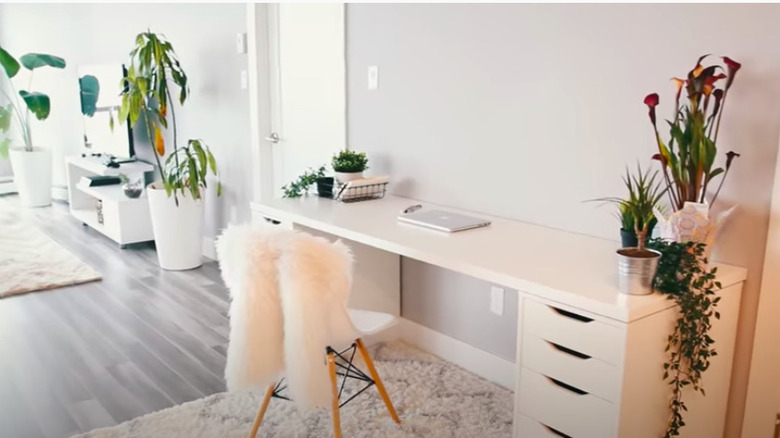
<point x="288" y="292"/>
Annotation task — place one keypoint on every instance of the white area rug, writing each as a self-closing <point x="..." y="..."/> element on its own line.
<point x="434" y="399"/>
<point x="31" y="261"/>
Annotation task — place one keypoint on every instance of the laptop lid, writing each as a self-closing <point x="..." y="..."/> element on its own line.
<point x="443" y="220"/>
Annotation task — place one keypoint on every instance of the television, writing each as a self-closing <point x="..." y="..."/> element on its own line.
<point x="99" y="138"/>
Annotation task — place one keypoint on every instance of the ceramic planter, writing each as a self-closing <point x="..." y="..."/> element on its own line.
<point x="325" y="187"/>
<point x="344" y="177"/>
<point x="32" y="175"/>
<point x="178" y="230"/>
<point x="637" y="270"/>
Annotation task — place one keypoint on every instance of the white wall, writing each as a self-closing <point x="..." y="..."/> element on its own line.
<point x="524" y="111"/>
<point x="204" y="37"/>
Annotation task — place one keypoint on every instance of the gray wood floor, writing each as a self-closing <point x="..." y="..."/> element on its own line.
<point x="94" y="355"/>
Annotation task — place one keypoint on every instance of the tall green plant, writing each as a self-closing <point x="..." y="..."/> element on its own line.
<point x="36" y="104"/>
<point x="146" y="97"/>
<point x="683" y="277"/>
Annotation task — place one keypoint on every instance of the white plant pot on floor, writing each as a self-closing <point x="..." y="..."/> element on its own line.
<point x="32" y="176"/>
<point x="178" y="230"/>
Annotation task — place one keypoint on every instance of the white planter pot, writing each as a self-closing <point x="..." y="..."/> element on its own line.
<point x="178" y="230"/>
<point x="32" y="175"/>
<point x="343" y="177"/>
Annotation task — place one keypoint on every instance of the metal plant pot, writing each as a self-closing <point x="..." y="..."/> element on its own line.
<point x="636" y="270"/>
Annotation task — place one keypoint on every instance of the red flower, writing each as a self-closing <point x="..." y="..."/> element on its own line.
<point x="729" y="158"/>
<point x="733" y="67"/>
<point x="712" y="79"/>
<point x="718" y="94"/>
<point x="651" y="100"/>
<point x="679" y="83"/>
<point x="662" y="159"/>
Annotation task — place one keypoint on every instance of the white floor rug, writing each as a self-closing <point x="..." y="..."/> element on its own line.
<point x="31" y="261"/>
<point x="434" y="399"/>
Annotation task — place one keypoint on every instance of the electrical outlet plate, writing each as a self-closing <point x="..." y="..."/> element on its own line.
<point x="497" y="300"/>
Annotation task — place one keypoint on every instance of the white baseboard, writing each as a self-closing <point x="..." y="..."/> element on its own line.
<point x="59" y="193"/>
<point x="209" y="248"/>
<point x="489" y="366"/>
<point x="7" y="185"/>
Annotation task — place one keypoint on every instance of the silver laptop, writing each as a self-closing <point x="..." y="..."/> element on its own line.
<point x="443" y="220"/>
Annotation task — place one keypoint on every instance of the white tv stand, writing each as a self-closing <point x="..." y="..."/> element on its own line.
<point x="124" y="220"/>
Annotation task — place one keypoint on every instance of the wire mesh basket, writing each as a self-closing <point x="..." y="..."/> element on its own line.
<point x="350" y="191"/>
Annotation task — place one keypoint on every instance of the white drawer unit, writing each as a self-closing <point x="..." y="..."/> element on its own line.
<point x="530" y="428"/>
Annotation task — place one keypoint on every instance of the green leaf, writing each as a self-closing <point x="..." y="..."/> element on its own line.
<point x="219" y="188"/>
<point x="31" y="61"/>
<point x="212" y="162"/>
<point x="6" y="114"/>
<point x="38" y="103"/>
<point x="9" y="63"/>
<point x="4" y="146"/>
<point x="90" y="91"/>
<point x="193" y="176"/>
<point x="202" y="160"/>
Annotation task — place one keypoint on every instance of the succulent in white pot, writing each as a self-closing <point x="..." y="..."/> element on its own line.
<point x="31" y="164"/>
<point x="349" y="165"/>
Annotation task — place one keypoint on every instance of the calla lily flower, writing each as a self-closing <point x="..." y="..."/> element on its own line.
<point x="662" y="159"/>
<point x="730" y="157"/>
<point x="718" y="95"/>
<point x="651" y="100"/>
<point x="679" y="84"/>
<point x="733" y="67"/>
<point x="159" y="142"/>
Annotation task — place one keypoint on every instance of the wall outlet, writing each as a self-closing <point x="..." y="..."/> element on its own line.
<point x="373" y="77"/>
<point x="497" y="300"/>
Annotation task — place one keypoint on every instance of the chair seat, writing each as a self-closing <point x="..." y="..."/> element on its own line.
<point x="368" y="322"/>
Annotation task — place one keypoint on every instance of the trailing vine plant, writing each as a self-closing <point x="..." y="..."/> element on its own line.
<point x="683" y="277"/>
<point x="300" y="186"/>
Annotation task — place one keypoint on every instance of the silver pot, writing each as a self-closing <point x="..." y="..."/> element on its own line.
<point x="635" y="274"/>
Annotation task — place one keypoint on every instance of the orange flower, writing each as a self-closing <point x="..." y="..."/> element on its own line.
<point x="159" y="142"/>
<point x="679" y="83"/>
<point x="163" y="109"/>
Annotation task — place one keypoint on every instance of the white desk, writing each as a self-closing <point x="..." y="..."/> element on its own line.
<point x="568" y="298"/>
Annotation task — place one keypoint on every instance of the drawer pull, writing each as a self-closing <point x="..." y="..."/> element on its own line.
<point x="571" y="315"/>
<point x="272" y="221"/>
<point x="569" y="351"/>
<point x="556" y="432"/>
<point x="568" y="387"/>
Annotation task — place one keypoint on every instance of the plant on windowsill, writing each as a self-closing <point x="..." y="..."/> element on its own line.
<point x="683" y="277"/>
<point x="175" y="200"/>
<point x="349" y="165"/>
<point x="32" y="164"/>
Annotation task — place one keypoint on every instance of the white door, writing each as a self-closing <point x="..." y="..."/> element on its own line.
<point x="299" y="56"/>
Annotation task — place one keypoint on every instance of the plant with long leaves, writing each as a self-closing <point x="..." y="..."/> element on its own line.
<point x="300" y="186"/>
<point x="644" y="194"/>
<point x="147" y="97"/>
<point x="689" y="157"/>
<point x="36" y="104"/>
<point x="684" y="278"/>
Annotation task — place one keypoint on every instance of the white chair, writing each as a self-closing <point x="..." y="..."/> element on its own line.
<point x="289" y="293"/>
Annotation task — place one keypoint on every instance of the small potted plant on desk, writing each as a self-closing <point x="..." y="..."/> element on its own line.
<point x="349" y="165"/>
<point x="637" y="264"/>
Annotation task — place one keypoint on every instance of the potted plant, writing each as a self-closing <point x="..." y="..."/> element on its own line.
<point x="300" y="186"/>
<point x="637" y="264"/>
<point x="688" y="158"/>
<point x="31" y="164"/>
<point x="349" y="165"/>
<point x="176" y="200"/>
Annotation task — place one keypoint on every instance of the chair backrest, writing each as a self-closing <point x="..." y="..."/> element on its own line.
<point x="289" y="293"/>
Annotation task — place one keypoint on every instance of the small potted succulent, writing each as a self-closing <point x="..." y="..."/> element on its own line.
<point x="349" y="165"/>
<point x="637" y="264"/>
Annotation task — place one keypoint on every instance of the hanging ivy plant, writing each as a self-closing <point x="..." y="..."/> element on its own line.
<point x="684" y="277"/>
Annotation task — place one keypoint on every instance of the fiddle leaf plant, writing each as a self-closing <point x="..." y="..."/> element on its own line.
<point x="684" y="278"/>
<point x="147" y="95"/>
<point x="20" y="106"/>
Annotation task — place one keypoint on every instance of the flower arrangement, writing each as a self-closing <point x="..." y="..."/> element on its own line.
<point x="687" y="160"/>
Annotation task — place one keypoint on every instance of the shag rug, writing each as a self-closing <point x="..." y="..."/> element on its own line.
<point x="433" y="398"/>
<point x="31" y="261"/>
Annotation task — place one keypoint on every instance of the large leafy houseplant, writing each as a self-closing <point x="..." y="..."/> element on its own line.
<point x="684" y="278"/>
<point x="146" y="97"/>
<point x="688" y="158"/>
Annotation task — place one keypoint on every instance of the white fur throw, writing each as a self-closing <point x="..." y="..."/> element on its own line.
<point x="289" y="293"/>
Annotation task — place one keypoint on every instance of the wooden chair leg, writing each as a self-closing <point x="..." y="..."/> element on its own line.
<point x="335" y="401"/>
<point x="261" y="413"/>
<point x="379" y="385"/>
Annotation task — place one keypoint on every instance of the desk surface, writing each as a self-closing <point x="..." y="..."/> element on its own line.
<point x="564" y="267"/>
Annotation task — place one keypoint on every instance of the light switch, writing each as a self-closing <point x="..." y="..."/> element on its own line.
<point x="373" y="77"/>
<point x="497" y="300"/>
<point x="241" y="43"/>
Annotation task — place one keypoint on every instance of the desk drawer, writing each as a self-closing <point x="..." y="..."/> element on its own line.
<point x="580" y="333"/>
<point x="593" y="375"/>
<point x="564" y="408"/>
<point x="260" y="218"/>
<point x="526" y="427"/>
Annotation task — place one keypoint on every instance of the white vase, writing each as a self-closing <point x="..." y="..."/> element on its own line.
<point x="343" y="177"/>
<point x="32" y="176"/>
<point x="178" y="230"/>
